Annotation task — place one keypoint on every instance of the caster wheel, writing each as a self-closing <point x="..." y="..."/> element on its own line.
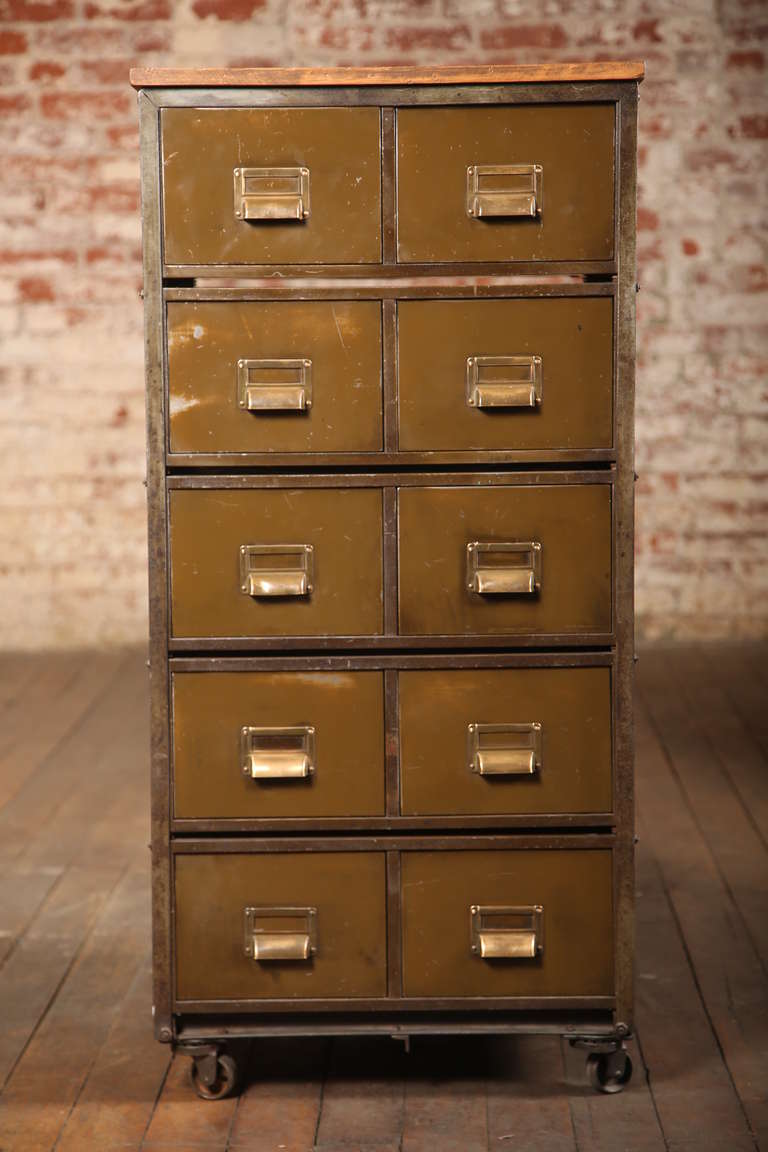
<point x="215" y="1077"/>
<point x="609" y="1071"/>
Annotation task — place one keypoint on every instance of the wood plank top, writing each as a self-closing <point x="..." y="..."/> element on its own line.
<point x="552" y="73"/>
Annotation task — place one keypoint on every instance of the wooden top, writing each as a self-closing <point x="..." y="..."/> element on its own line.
<point x="333" y="77"/>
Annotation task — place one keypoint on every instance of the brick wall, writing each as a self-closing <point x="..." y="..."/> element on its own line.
<point x="72" y="549"/>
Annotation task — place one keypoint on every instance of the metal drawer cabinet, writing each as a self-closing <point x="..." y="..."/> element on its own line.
<point x="390" y="379"/>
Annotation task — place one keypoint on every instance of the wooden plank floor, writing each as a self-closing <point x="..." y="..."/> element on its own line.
<point x="80" y="1071"/>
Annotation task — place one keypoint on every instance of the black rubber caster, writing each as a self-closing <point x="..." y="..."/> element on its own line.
<point x="215" y="1076"/>
<point x="609" y="1071"/>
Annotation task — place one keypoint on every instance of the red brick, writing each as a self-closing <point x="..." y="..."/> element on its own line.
<point x="93" y="105"/>
<point x="13" y="102"/>
<point x="236" y="10"/>
<point x="752" y="278"/>
<point x="136" y="10"/>
<point x="647" y="221"/>
<point x="123" y="137"/>
<point x="33" y="289"/>
<point x="114" y="198"/>
<point x="704" y="159"/>
<point x="647" y="30"/>
<point x="255" y="61"/>
<point x="30" y="256"/>
<point x="514" y="36"/>
<point x="12" y="43"/>
<point x="106" y="71"/>
<point x="754" y="127"/>
<point x="157" y="40"/>
<point x="690" y="247"/>
<point x="46" y="70"/>
<point x="755" y="60"/>
<point x="36" y="11"/>
<point x="440" y="38"/>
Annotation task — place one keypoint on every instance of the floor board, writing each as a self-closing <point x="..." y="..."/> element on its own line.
<point x="80" y="1070"/>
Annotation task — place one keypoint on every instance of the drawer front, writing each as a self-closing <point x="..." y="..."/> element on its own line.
<point x="266" y="745"/>
<point x="495" y="559"/>
<point x="566" y="949"/>
<point x="499" y="741"/>
<point x="324" y="576"/>
<point x="293" y="376"/>
<point x="505" y="374"/>
<point x="453" y="161"/>
<point x="333" y="945"/>
<point x="306" y="182"/>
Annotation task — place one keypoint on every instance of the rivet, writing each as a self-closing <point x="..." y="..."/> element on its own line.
<point x="237" y="171"/>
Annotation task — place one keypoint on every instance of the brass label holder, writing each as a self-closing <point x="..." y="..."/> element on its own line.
<point x="504" y="381"/>
<point x="270" y="570"/>
<point x="504" y="749"/>
<point x="507" y="933"/>
<point x="274" y="385"/>
<point x="495" y="190"/>
<point x="271" y="193"/>
<point x="278" y="753"/>
<point x="507" y="569"/>
<point x="280" y="933"/>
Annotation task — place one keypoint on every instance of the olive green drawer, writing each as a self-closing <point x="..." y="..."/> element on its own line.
<point x="275" y="376"/>
<point x="498" y="375"/>
<point x="499" y="923"/>
<point x="506" y="183"/>
<point x="271" y="185"/>
<point x="275" y="745"/>
<point x="276" y="562"/>
<point x="280" y="925"/>
<point x="512" y="560"/>
<point x="503" y="741"/>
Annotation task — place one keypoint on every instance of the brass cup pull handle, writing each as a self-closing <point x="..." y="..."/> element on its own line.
<point x="278" y="753"/>
<point x="495" y="190"/>
<point x="269" y="570"/>
<point x="274" y="385"/>
<point x="507" y="933"/>
<point x="271" y="193"/>
<point x="504" y="381"/>
<point x="280" y="933"/>
<point x="504" y="749"/>
<point x="511" y="569"/>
